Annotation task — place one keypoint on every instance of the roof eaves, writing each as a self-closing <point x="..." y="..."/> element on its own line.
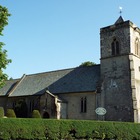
<point x="47" y="91"/>
<point x="94" y="91"/>
<point x="55" y="96"/>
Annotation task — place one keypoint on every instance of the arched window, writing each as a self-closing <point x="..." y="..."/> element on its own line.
<point x="137" y="47"/>
<point x="84" y="104"/>
<point x="115" y="47"/>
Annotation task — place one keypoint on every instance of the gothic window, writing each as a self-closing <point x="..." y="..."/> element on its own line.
<point x="83" y="104"/>
<point x="137" y="47"/>
<point x="115" y="47"/>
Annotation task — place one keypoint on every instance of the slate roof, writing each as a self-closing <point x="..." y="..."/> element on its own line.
<point x="119" y="20"/>
<point x="75" y="80"/>
<point x="8" y="87"/>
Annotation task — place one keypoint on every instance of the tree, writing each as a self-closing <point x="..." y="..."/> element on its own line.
<point x="4" y="14"/>
<point x="87" y="63"/>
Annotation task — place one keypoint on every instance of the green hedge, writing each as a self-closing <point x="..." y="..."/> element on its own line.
<point x="36" y="114"/>
<point x="10" y="113"/>
<point x="42" y="129"/>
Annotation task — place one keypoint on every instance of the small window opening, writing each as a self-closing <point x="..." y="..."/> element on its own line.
<point x="84" y="104"/>
<point x="115" y="47"/>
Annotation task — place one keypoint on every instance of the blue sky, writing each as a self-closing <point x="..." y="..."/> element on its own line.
<point x="47" y="35"/>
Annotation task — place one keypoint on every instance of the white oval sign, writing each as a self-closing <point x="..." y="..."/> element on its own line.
<point x="100" y="111"/>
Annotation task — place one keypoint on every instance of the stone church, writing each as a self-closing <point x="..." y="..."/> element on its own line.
<point x="76" y="93"/>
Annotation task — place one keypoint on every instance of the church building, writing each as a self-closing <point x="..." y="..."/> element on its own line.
<point x="109" y="91"/>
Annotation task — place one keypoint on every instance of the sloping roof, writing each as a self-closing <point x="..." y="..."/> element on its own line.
<point x="119" y="20"/>
<point x="9" y="85"/>
<point x="80" y="79"/>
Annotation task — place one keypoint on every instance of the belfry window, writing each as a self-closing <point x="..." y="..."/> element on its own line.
<point x="137" y="47"/>
<point x="115" y="47"/>
<point x="83" y="104"/>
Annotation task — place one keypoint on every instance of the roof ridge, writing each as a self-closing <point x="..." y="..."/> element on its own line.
<point x="60" y="70"/>
<point x="50" y="71"/>
<point x="14" y="88"/>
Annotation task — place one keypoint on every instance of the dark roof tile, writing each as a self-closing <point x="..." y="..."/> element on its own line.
<point x="80" y="79"/>
<point x="9" y="85"/>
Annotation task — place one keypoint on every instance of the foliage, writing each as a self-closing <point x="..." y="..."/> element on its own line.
<point x="4" y="14"/>
<point x="1" y="112"/>
<point x="36" y="114"/>
<point x="52" y="129"/>
<point x="10" y="113"/>
<point x="18" y="128"/>
<point x="87" y="63"/>
<point x="67" y="129"/>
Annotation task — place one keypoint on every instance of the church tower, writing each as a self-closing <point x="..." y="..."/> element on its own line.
<point x="120" y="71"/>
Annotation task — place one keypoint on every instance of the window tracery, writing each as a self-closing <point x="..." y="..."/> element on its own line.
<point x="84" y="104"/>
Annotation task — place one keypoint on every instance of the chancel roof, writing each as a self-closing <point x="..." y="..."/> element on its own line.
<point x="75" y="80"/>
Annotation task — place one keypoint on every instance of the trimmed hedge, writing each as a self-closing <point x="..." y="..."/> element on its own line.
<point x="10" y="113"/>
<point x="42" y="129"/>
<point x="36" y="114"/>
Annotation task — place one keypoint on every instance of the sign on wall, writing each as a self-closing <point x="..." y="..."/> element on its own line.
<point x="100" y="111"/>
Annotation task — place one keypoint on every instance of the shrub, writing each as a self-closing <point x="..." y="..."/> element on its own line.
<point x="10" y="113"/>
<point x="36" y="114"/>
<point x="51" y="129"/>
<point x="1" y="112"/>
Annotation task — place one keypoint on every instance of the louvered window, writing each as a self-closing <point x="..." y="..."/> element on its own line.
<point x="115" y="47"/>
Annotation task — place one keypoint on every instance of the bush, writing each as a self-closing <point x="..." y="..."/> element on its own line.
<point x="21" y="129"/>
<point x="51" y="129"/>
<point x="1" y="112"/>
<point x="36" y="114"/>
<point x="10" y="113"/>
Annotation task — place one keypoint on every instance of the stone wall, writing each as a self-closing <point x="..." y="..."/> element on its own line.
<point x="115" y="73"/>
<point x="47" y="105"/>
<point x="135" y="72"/>
<point x="74" y="105"/>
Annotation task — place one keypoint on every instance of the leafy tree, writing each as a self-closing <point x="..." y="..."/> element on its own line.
<point x="87" y="63"/>
<point x="4" y="14"/>
<point x="10" y="78"/>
